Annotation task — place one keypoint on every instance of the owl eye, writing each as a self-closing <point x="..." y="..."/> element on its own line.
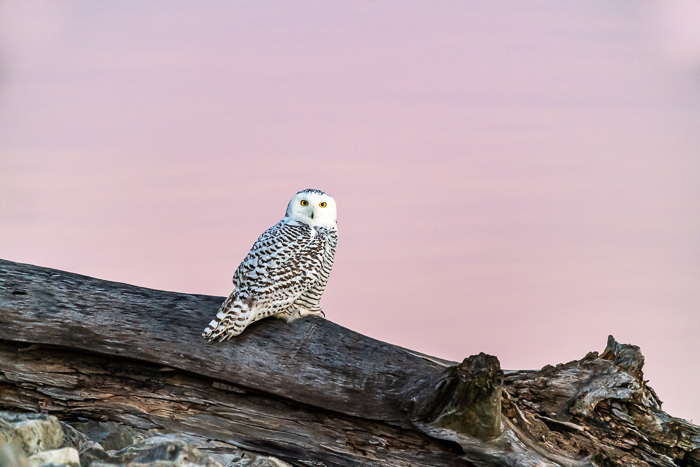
<point x="304" y="202"/>
<point x="322" y="204"/>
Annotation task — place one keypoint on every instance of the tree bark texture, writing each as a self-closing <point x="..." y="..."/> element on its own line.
<point x="312" y="392"/>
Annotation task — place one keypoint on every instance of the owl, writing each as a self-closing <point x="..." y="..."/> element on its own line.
<point x="286" y="271"/>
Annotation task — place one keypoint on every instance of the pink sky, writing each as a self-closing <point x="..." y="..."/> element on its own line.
<point x="517" y="178"/>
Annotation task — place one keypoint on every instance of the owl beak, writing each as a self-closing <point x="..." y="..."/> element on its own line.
<point x="312" y="214"/>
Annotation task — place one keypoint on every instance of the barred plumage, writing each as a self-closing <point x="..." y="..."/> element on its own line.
<point x="285" y="273"/>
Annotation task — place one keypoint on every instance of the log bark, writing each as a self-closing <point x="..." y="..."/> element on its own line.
<point x="74" y="384"/>
<point x="311" y="391"/>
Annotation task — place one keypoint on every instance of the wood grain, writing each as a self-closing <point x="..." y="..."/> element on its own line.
<point x="315" y="393"/>
<point x="311" y="360"/>
<point x="142" y="395"/>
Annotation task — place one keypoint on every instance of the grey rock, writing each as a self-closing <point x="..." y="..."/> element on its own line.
<point x="112" y="436"/>
<point x="143" y="454"/>
<point x="72" y="438"/>
<point x="219" y="451"/>
<point x="106" y="438"/>
<point x="175" y="452"/>
<point x="109" y="444"/>
<point x="93" y="452"/>
<point x="30" y="432"/>
<point x="249" y="459"/>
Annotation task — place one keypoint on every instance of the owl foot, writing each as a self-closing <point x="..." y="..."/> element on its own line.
<point x="299" y="313"/>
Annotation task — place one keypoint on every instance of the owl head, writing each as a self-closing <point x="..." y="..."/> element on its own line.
<point x="313" y="207"/>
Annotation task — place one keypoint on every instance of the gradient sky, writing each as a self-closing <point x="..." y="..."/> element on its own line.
<point x="517" y="178"/>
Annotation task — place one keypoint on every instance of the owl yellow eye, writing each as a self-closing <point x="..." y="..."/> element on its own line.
<point x="322" y="204"/>
<point x="304" y="202"/>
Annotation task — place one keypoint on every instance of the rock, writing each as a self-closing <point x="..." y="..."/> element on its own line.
<point x="55" y="457"/>
<point x="30" y="432"/>
<point x="143" y="454"/>
<point x="100" y="441"/>
<point x="112" y="436"/>
<point x="263" y="461"/>
<point x="175" y="452"/>
<point x="249" y="459"/>
<point x="217" y="450"/>
<point x="72" y="438"/>
<point x="11" y="456"/>
<point x="93" y="452"/>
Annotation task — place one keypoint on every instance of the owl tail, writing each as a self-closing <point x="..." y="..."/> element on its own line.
<point x="230" y="321"/>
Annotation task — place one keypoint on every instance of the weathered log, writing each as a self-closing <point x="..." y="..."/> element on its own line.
<point x="600" y="407"/>
<point x="311" y="391"/>
<point x="71" y="384"/>
<point x="311" y="360"/>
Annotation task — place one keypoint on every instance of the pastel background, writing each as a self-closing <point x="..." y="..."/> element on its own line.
<point x="517" y="178"/>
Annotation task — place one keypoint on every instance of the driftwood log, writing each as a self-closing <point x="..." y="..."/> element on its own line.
<point x="312" y="392"/>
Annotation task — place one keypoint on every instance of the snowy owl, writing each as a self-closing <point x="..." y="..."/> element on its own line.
<point x="287" y="269"/>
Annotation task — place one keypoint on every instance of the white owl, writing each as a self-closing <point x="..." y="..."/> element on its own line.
<point x="287" y="269"/>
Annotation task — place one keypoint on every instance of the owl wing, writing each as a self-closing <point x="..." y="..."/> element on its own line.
<point x="278" y="269"/>
<point x="280" y="264"/>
